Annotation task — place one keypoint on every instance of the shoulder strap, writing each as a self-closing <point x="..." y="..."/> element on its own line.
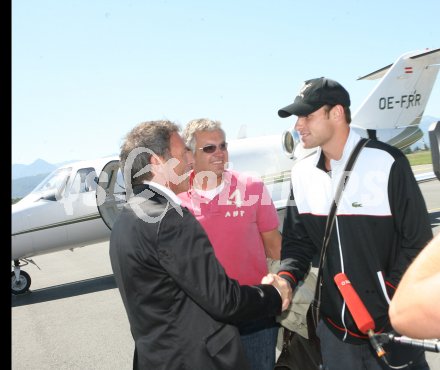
<point x="342" y="183"/>
<point x="330" y="222"/>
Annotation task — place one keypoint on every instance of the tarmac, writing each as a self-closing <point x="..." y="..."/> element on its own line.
<point x="73" y="316"/>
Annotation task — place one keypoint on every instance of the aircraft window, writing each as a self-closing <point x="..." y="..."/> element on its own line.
<point x="55" y="181"/>
<point x="84" y="181"/>
<point x="91" y="181"/>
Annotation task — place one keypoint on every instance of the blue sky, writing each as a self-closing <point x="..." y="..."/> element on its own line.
<point x="85" y="72"/>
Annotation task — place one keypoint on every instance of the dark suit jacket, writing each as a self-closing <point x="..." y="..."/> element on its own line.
<point x="179" y="301"/>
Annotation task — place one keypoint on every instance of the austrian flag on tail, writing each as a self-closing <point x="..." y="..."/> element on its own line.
<point x="408" y="70"/>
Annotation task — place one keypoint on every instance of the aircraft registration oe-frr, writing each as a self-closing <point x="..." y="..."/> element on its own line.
<point x="76" y="205"/>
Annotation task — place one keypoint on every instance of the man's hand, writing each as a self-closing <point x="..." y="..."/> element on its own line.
<point x="282" y="286"/>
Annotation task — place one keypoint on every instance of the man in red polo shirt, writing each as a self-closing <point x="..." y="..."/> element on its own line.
<point x="241" y="221"/>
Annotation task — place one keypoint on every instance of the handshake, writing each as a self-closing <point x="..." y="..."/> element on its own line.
<point x="283" y="287"/>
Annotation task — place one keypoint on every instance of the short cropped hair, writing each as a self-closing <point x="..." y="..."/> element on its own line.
<point x="347" y="112"/>
<point x="152" y="135"/>
<point x="197" y="125"/>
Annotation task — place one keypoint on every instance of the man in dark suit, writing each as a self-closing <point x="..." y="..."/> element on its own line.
<point x="179" y="301"/>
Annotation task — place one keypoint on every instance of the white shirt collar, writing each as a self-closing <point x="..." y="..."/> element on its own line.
<point x="351" y="142"/>
<point x="210" y="194"/>
<point x="167" y="191"/>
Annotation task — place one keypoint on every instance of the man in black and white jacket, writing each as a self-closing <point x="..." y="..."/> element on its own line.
<point x="381" y="225"/>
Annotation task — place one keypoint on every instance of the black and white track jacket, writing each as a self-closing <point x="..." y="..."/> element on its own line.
<point x="381" y="225"/>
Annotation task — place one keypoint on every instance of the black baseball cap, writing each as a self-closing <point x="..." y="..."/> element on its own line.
<point x="314" y="94"/>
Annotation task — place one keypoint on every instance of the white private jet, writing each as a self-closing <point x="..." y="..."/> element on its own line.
<point x="71" y="208"/>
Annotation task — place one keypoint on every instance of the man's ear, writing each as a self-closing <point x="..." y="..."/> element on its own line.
<point x="155" y="160"/>
<point x="337" y="112"/>
<point x="157" y="165"/>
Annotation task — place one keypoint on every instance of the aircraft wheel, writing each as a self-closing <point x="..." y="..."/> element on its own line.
<point x="21" y="285"/>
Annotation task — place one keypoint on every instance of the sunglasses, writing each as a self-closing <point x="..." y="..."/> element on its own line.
<point x="211" y="148"/>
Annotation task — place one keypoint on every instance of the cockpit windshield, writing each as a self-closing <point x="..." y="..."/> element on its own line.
<point x="54" y="182"/>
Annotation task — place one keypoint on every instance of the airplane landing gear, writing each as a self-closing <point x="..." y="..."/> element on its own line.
<point x="21" y="284"/>
<point x="20" y="280"/>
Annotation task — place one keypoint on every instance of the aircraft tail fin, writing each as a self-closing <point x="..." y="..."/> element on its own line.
<point x="400" y="98"/>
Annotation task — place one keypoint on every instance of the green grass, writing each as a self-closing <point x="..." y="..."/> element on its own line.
<point x="419" y="157"/>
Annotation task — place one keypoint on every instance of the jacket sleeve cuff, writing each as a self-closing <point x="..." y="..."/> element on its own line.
<point x="289" y="277"/>
<point x="272" y="296"/>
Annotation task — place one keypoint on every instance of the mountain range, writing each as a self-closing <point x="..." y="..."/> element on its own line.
<point x="26" y="177"/>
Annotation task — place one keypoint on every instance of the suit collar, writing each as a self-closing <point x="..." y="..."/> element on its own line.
<point x="161" y="192"/>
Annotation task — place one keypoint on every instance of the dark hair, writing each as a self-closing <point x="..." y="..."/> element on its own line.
<point x="154" y="136"/>
<point x="347" y="112"/>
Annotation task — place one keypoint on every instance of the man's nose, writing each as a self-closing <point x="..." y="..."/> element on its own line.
<point x="299" y="124"/>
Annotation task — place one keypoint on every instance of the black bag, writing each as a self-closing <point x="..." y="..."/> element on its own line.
<point x="298" y="353"/>
<point x="312" y="323"/>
